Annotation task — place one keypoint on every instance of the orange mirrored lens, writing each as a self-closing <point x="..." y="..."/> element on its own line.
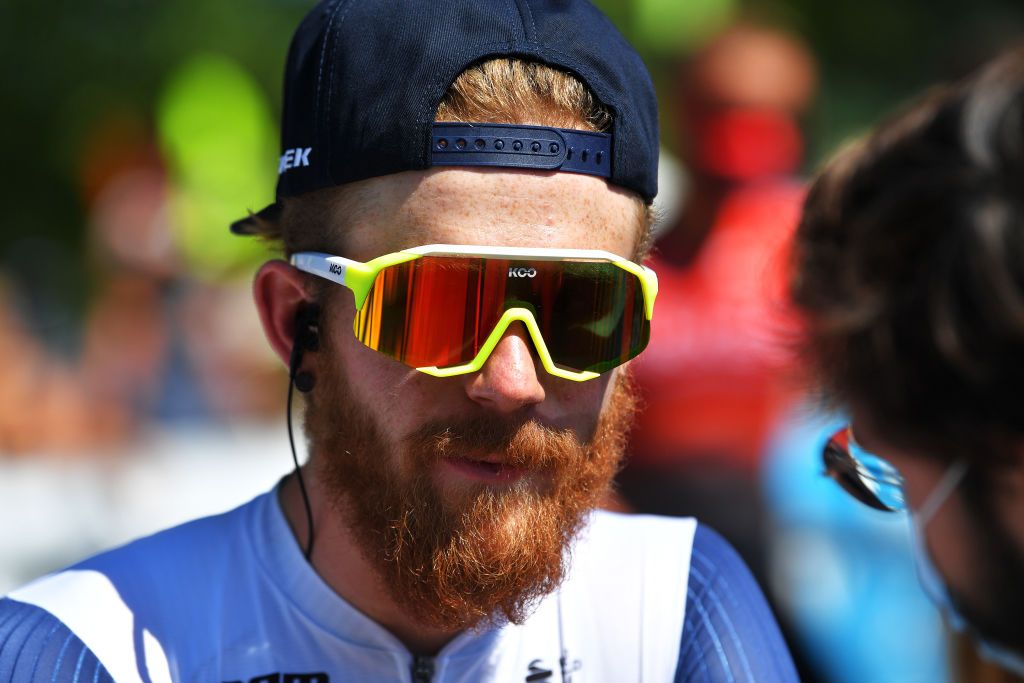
<point x="437" y="311"/>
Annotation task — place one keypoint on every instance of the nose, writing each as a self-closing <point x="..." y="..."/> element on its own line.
<point x="509" y="380"/>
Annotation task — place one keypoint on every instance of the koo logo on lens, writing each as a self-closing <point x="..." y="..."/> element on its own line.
<point x="522" y="272"/>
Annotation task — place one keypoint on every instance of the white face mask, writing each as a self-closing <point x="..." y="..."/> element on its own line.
<point x="935" y="587"/>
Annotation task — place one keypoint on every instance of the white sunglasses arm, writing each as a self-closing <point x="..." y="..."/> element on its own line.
<point x="326" y="266"/>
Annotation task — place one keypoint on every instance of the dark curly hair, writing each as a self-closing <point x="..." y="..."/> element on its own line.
<point x="909" y="269"/>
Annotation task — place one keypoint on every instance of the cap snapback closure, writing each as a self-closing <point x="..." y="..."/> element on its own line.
<point x="515" y="146"/>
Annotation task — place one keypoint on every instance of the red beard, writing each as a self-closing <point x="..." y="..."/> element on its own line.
<point x="457" y="559"/>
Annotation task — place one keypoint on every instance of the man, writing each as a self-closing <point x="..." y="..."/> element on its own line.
<point x="461" y="356"/>
<point x="910" y="269"/>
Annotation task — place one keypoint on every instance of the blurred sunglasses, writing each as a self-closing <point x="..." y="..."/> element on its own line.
<point x="875" y="482"/>
<point x="867" y="477"/>
<point x="443" y="308"/>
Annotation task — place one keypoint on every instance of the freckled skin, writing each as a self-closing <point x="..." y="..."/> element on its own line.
<point x="490" y="208"/>
<point x="455" y="206"/>
<point x="452" y="206"/>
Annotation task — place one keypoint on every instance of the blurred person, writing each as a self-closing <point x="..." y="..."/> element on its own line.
<point x="909" y="267"/>
<point x="712" y="379"/>
<point x="739" y="100"/>
<point x="132" y="343"/>
<point x="842" y="576"/>
<point x="466" y="401"/>
<point x="239" y="380"/>
<point x="166" y="345"/>
<point x="44" y="405"/>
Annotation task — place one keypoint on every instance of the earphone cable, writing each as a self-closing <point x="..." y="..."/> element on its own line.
<point x="298" y="471"/>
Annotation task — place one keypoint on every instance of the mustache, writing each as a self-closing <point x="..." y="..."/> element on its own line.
<point x="523" y="442"/>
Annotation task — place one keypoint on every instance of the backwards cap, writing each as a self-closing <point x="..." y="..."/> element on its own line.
<point x="364" y="79"/>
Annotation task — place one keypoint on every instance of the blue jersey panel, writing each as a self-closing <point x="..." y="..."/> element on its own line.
<point x="729" y="634"/>
<point x="35" y="647"/>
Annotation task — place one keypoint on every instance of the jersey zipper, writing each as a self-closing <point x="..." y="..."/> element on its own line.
<point x="422" y="669"/>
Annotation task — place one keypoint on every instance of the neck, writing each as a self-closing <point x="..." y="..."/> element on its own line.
<point x="340" y="562"/>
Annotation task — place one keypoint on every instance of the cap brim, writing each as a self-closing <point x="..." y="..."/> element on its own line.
<point x="250" y="224"/>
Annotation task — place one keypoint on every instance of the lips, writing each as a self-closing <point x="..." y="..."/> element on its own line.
<point x="491" y="469"/>
<point x="488" y="465"/>
<point x="486" y="459"/>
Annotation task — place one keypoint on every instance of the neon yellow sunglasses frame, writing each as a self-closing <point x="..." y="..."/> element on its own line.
<point x="359" y="277"/>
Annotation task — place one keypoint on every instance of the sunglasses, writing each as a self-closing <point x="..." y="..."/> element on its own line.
<point x="875" y="482"/>
<point x="443" y="308"/>
<point x="867" y="477"/>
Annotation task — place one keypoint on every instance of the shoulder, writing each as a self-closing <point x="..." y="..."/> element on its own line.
<point x="649" y="535"/>
<point x="35" y="647"/>
<point x="625" y="594"/>
<point x="175" y="550"/>
<point x="636" y="556"/>
<point x="122" y="604"/>
<point x="142" y="574"/>
<point x="729" y="632"/>
<point x="682" y="586"/>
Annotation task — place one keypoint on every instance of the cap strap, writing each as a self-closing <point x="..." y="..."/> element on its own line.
<point x="537" y="147"/>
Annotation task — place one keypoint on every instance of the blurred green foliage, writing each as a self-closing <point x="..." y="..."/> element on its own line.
<point x="68" y="67"/>
<point x="673" y="27"/>
<point x="217" y="134"/>
<point x="873" y="54"/>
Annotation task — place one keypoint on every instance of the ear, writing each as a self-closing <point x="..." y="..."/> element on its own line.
<point x="279" y="291"/>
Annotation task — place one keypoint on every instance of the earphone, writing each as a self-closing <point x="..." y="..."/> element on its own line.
<point x="306" y="338"/>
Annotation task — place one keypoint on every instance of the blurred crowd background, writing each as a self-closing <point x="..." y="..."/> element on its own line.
<point x="135" y="386"/>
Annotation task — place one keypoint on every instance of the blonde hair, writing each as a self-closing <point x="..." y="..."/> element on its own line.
<point x="501" y="90"/>
<point x="528" y="93"/>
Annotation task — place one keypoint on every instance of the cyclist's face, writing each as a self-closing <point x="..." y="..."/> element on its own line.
<point x="497" y="208"/>
<point x="975" y="539"/>
<point x="477" y="480"/>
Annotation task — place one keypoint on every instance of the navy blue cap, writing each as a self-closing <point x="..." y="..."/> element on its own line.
<point x="364" y="79"/>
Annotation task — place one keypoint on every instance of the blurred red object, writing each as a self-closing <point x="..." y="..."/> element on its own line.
<point x="715" y="376"/>
<point x="747" y="143"/>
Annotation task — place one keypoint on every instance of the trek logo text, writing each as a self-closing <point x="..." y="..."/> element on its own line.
<point x="293" y="158"/>
<point x="522" y="272"/>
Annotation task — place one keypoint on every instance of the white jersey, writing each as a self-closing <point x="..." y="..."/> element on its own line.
<point x="231" y="598"/>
